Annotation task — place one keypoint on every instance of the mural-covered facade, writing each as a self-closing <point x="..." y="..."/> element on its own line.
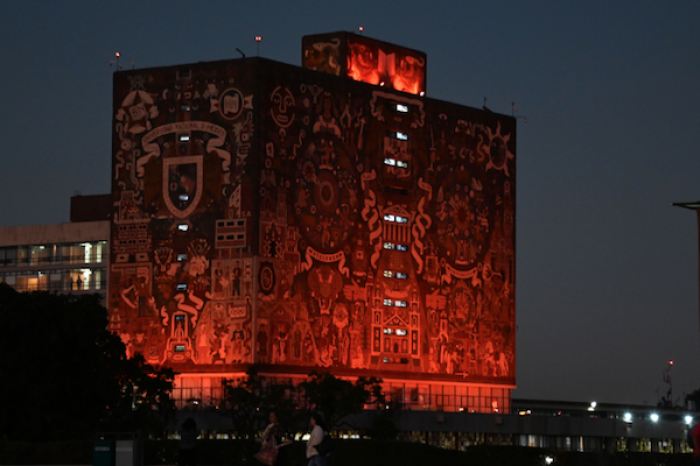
<point x="270" y="214"/>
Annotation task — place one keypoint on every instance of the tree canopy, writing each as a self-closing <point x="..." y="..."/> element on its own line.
<point x="249" y="400"/>
<point x="64" y="375"/>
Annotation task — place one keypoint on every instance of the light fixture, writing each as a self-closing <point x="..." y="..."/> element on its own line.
<point x="627" y="417"/>
<point x="654" y="417"/>
<point x="688" y="419"/>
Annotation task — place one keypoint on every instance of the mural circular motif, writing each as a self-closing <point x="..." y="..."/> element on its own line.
<point x="266" y="278"/>
<point x="326" y="194"/>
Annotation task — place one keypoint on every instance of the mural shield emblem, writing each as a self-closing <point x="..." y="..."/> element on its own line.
<point x="183" y="180"/>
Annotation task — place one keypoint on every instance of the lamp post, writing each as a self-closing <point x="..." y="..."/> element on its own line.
<point x="696" y="207"/>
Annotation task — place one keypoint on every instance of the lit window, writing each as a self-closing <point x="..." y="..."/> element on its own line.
<point x="400" y="303"/>
<point x="179" y="348"/>
<point x="184" y="137"/>
<point x="389" y="246"/>
<point x="183" y="227"/>
<point x="182" y="287"/>
<point x="388" y="274"/>
<point x="402" y="108"/>
<point x="401" y="332"/>
<point x="388" y="302"/>
<point x="183" y="197"/>
<point x="401" y="219"/>
<point x="401" y="136"/>
<point x="388" y="331"/>
<point x="389" y="218"/>
<point x="391" y="162"/>
<point x="401" y="164"/>
<point x="401" y="275"/>
<point x="401" y="247"/>
<point x="181" y="257"/>
<point x="185" y="108"/>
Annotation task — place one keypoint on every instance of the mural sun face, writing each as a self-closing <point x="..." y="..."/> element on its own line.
<point x="499" y="155"/>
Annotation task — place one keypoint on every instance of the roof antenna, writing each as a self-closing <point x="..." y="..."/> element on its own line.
<point x="514" y="110"/>
<point x="258" y="39"/>
<point x="239" y="51"/>
<point x="116" y="61"/>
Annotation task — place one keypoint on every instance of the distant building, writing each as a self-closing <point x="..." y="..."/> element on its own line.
<point x="327" y="217"/>
<point x="66" y="257"/>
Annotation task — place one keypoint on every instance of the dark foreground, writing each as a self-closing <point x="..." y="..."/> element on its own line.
<point x="348" y="453"/>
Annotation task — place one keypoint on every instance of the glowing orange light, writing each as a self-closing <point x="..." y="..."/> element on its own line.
<point x="117" y="54"/>
<point x="670" y="362"/>
<point x="258" y="38"/>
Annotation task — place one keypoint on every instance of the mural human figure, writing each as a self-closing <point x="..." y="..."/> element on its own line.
<point x="237" y="279"/>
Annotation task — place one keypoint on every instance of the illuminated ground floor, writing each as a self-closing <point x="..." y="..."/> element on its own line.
<point x="206" y="389"/>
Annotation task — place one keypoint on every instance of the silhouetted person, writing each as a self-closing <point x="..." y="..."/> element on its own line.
<point x="188" y="443"/>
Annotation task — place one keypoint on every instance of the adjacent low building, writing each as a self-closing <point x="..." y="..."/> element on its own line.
<point x="68" y="257"/>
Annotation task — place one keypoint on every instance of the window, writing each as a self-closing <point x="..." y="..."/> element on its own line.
<point x="183" y="137"/>
<point x="179" y="348"/>
<point x="401" y="332"/>
<point x="183" y="227"/>
<point x="401" y="247"/>
<point x="388" y="274"/>
<point x="395" y="163"/>
<point x="400" y="304"/>
<point x="402" y="108"/>
<point x="388" y="331"/>
<point x="182" y="287"/>
<point x="395" y="218"/>
<point x="181" y="257"/>
<point x="183" y="197"/>
<point x="389" y="246"/>
<point x="401" y="275"/>
<point x="185" y="108"/>
<point x="388" y="302"/>
<point x="401" y="136"/>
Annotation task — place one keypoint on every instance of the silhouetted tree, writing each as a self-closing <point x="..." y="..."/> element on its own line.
<point x="249" y="400"/>
<point x="65" y="376"/>
<point x="338" y="398"/>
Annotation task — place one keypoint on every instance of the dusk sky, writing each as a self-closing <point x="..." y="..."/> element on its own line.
<point x="607" y="269"/>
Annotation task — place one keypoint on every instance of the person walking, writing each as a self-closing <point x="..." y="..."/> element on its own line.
<point x="272" y="451"/>
<point x="315" y="459"/>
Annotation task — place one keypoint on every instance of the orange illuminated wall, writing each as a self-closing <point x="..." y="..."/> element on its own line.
<point x="267" y="213"/>
<point x="366" y="60"/>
